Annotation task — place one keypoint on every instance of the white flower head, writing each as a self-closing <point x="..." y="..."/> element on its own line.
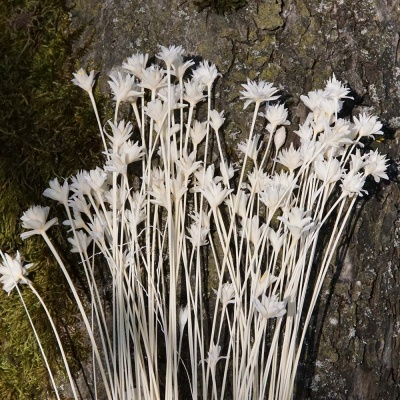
<point x="290" y="158"/>
<point x="311" y="150"/>
<point x="215" y="193"/>
<point x="206" y="73"/>
<point x="258" y="92"/>
<point x="279" y="138"/>
<point x="314" y="99"/>
<point x="306" y="132"/>
<point x="124" y="89"/>
<point x="118" y="201"/>
<point x="297" y="221"/>
<point x="57" y="192"/>
<point x="131" y="152"/>
<point x="97" y="180"/>
<point x="183" y="317"/>
<point x="116" y="164"/>
<point x="97" y="229"/>
<point x="80" y="242"/>
<point x="83" y="80"/>
<point x="228" y="293"/>
<point x="170" y="54"/>
<point x="187" y="164"/>
<point x="259" y="180"/>
<point x="251" y="147"/>
<point x="252" y="230"/>
<point x="336" y="89"/>
<point x="227" y="171"/>
<point x="160" y="195"/>
<point x="35" y="218"/>
<point x="198" y="132"/>
<point x="367" y="126"/>
<point x="173" y="99"/>
<point x="205" y="176"/>
<point x="156" y="178"/>
<point x="260" y="285"/>
<point x="136" y="64"/>
<point x="276" y="239"/>
<point x="76" y="223"/>
<point x="79" y="184"/>
<point x="328" y="171"/>
<point x="276" y="115"/>
<point x="376" y="165"/>
<point x="194" y="92"/>
<point x="213" y="355"/>
<point x="78" y="203"/>
<point x="335" y="138"/>
<point x="120" y="134"/>
<point x="216" y="119"/>
<point x="357" y="161"/>
<point x="270" y="307"/>
<point x="154" y="78"/>
<point x="178" y="186"/>
<point x="12" y="271"/>
<point x="156" y="110"/>
<point x="241" y="205"/>
<point x="197" y="234"/>
<point x="352" y="184"/>
<point x="180" y="67"/>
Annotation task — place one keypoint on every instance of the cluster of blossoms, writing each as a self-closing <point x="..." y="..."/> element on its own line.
<point x="163" y="207"/>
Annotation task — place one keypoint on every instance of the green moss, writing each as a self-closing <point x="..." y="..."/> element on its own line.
<point x="220" y="6"/>
<point x="46" y="128"/>
<point x="268" y="15"/>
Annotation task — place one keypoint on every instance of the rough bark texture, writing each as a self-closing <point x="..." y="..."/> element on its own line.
<point x="353" y="347"/>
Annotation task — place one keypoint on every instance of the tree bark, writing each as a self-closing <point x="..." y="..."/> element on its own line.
<point x="352" y="350"/>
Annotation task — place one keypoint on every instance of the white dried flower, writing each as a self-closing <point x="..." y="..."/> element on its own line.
<point x="260" y="285"/>
<point x="376" y="165"/>
<point x="80" y="242"/>
<point x="170" y="54"/>
<point x="35" y="218"/>
<point x="197" y="234"/>
<point x="367" y="126"/>
<point x="352" y="184"/>
<point x="136" y="64"/>
<point x="194" y="92"/>
<point x="153" y="78"/>
<point x="228" y="293"/>
<point x="279" y="138"/>
<point x="83" y="80"/>
<point x="250" y="147"/>
<point x="206" y="73"/>
<point x="213" y="355"/>
<point x="297" y="221"/>
<point x="328" y="171"/>
<point x="56" y="192"/>
<point x="124" y="89"/>
<point x="216" y="119"/>
<point x="290" y="158"/>
<point x="270" y="307"/>
<point x="276" y="115"/>
<point x="215" y="193"/>
<point x="258" y="92"/>
<point x="12" y="271"/>
<point x="198" y="132"/>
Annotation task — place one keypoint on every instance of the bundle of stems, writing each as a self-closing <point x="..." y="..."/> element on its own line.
<point x="164" y="214"/>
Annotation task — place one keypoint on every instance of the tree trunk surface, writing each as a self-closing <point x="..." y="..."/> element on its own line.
<point x="352" y="350"/>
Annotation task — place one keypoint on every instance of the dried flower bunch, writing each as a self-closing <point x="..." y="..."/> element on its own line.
<point x="163" y="211"/>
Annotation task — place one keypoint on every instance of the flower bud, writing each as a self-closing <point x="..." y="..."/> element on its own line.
<point x="279" y="138"/>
